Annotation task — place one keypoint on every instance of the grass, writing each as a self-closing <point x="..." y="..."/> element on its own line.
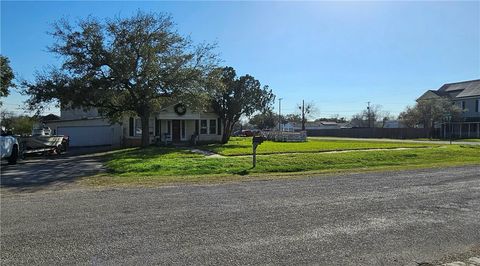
<point x="455" y="140"/>
<point x="168" y="165"/>
<point x="468" y="140"/>
<point x="243" y="146"/>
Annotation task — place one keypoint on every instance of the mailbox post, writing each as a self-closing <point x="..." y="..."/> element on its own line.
<point x="256" y="140"/>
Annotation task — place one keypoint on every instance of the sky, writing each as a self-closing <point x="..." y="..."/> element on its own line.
<point x="336" y="55"/>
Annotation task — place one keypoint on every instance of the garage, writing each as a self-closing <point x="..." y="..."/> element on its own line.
<point x="87" y="135"/>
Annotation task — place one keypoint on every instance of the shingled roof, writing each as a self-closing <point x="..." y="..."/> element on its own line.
<point x="465" y="88"/>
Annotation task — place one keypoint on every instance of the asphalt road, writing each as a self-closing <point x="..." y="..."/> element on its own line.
<point x="396" y="218"/>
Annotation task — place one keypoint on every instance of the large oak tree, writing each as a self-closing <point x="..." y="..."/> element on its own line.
<point x="6" y="76"/>
<point x="122" y="66"/>
<point x="234" y="97"/>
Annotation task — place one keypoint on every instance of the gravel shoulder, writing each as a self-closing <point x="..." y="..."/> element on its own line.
<point x="392" y="218"/>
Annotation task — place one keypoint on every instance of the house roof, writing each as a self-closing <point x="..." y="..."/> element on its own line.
<point x="431" y="94"/>
<point x="439" y="93"/>
<point x="469" y="88"/>
<point x="465" y="88"/>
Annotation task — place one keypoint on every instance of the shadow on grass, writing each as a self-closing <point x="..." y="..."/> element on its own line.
<point x="244" y="171"/>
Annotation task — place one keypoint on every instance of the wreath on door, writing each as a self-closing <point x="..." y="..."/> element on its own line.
<point x="180" y="108"/>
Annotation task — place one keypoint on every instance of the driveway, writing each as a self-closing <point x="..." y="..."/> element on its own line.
<point x="52" y="171"/>
<point x="393" y="218"/>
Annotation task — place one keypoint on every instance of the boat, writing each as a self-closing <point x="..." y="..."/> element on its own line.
<point x="42" y="140"/>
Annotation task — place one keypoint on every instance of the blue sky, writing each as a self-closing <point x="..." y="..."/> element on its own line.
<point x="338" y="55"/>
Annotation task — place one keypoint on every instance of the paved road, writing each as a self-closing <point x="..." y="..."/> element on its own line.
<point x="391" y="218"/>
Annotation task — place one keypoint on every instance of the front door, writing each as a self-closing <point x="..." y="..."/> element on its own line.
<point x="175" y="130"/>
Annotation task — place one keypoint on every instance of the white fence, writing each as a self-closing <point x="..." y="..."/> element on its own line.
<point x="285" y="136"/>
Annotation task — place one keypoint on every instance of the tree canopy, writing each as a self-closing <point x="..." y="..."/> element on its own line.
<point x="6" y="76"/>
<point x="370" y="117"/>
<point x="430" y="111"/>
<point x="233" y="97"/>
<point x="265" y="120"/>
<point x="19" y="124"/>
<point x="122" y="66"/>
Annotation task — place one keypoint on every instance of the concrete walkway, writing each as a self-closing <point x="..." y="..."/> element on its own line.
<point x="207" y="154"/>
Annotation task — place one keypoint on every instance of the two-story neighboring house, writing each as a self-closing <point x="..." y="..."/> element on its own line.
<point x="466" y="95"/>
<point x="175" y="123"/>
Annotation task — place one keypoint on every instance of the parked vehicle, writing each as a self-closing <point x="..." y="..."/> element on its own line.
<point x="10" y="149"/>
<point x="42" y="140"/>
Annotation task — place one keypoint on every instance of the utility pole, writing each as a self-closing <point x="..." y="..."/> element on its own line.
<point x="368" y="113"/>
<point x="303" y="115"/>
<point x="280" y="114"/>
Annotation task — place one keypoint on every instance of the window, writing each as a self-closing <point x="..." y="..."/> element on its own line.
<point x="477" y="105"/>
<point x="131" y="127"/>
<point x="463" y="105"/>
<point x="213" y="126"/>
<point x="158" y="127"/>
<point x="169" y="125"/>
<point x="203" y="126"/>
<point x="183" y="129"/>
<point x="138" y="127"/>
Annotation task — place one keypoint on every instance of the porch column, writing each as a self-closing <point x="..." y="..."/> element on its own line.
<point x="468" y="135"/>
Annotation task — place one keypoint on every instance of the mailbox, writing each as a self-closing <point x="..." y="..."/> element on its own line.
<point x="257" y="140"/>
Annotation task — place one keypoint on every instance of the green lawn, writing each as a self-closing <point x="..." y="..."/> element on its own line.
<point x="455" y="140"/>
<point x="166" y="165"/>
<point x="243" y="146"/>
<point x="468" y="140"/>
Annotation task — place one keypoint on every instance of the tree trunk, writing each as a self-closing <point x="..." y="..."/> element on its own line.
<point x="227" y="131"/>
<point x="145" y="118"/>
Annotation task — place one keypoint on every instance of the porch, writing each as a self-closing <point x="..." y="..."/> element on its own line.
<point x="180" y="130"/>
<point x="460" y="130"/>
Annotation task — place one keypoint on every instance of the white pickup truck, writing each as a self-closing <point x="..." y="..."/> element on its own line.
<point x="9" y="148"/>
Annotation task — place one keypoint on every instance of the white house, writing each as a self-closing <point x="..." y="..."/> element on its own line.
<point x="175" y="123"/>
